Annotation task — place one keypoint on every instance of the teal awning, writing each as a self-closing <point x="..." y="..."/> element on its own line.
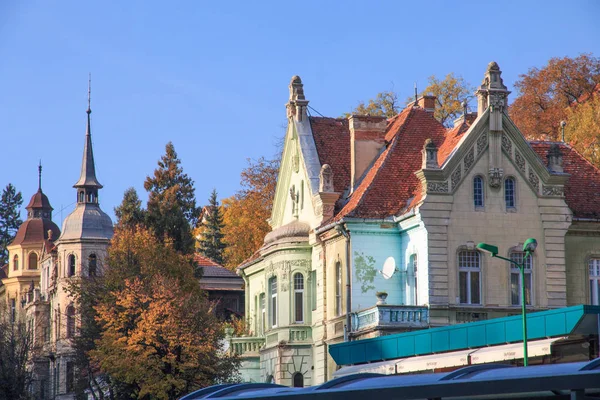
<point x="580" y="319"/>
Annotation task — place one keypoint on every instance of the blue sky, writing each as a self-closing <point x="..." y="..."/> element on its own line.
<point x="212" y="76"/>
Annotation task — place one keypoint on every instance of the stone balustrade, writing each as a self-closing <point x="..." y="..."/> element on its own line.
<point x="246" y="346"/>
<point x="390" y="316"/>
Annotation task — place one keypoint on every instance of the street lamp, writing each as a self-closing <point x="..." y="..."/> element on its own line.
<point x="528" y="248"/>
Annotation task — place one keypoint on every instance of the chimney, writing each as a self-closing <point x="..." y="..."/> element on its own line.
<point x="426" y="102"/>
<point x="367" y="138"/>
<point x="555" y="159"/>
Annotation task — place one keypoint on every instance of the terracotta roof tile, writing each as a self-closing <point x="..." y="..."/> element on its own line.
<point x="391" y="185"/>
<point x="332" y="139"/>
<point x="35" y="230"/>
<point x="582" y="191"/>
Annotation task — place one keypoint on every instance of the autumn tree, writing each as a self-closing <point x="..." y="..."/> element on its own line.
<point x="171" y="209"/>
<point x="246" y="213"/>
<point x="544" y="95"/>
<point x="450" y="93"/>
<point x="385" y="104"/>
<point x="211" y="237"/>
<point x="582" y="129"/>
<point x="130" y="212"/>
<point x="10" y="219"/>
<point x="155" y="333"/>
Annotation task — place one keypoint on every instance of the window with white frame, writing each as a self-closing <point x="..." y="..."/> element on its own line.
<point x="338" y="288"/>
<point x="412" y="276"/>
<point x="298" y="298"/>
<point x="263" y="313"/>
<point x="273" y="311"/>
<point x="469" y="277"/>
<point x="515" y="278"/>
<point x="509" y="193"/>
<point x="594" y="266"/>
<point x="478" y="191"/>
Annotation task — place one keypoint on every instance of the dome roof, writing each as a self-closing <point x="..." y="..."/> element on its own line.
<point x="39" y="200"/>
<point x="87" y="221"/>
<point x="295" y="229"/>
<point x="35" y="230"/>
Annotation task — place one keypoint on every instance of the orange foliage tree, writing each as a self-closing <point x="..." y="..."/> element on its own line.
<point x="582" y="130"/>
<point x="545" y="95"/>
<point x="245" y="213"/>
<point x="157" y="337"/>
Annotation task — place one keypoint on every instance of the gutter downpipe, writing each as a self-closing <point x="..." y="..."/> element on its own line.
<point x="341" y="228"/>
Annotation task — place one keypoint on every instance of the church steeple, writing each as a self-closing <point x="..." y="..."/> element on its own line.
<point x="88" y="185"/>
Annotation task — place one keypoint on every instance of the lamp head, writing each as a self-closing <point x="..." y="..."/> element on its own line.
<point x="488" y="248"/>
<point x="530" y="245"/>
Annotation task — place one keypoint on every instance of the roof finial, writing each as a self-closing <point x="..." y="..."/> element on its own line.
<point x="416" y="96"/>
<point x="40" y="176"/>
<point x="89" y="109"/>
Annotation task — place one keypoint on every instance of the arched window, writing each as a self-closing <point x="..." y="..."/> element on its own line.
<point x="71" y="266"/>
<point x="478" y="191"/>
<point x="515" y="278"/>
<point x="273" y="287"/>
<point x="594" y="266"/>
<point x="270" y="379"/>
<point x="412" y="275"/>
<point x="338" y="288"/>
<point x="33" y="261"/>
<point x="92" y="264"/>
<point x="16" y="263"/>
<point x="298" y="380"/>
<point x="299" y="297"/>
<point x="469" y="276"/>
<point x="509" y="192"/>
<point x="70" y="321"/>
<point x="81" y="196"/>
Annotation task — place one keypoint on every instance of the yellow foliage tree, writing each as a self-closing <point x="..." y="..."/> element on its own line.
<point x="582" y="130"/>
<point x="450" y="93"/>
<point x="245" y="213"/>
<point x="158" y="335"/>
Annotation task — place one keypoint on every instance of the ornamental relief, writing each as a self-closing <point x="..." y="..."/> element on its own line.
<point x="506" y="144"/>
<point x="520" y="161"/>
<point x="553" y="190"/>
<point x="495" y="177"/>
<point x="455" y="177"/>
<point x="482" y="142"/>
<point x="469" y="159"/>
<point x="437" y="187"/>
<point x="534" y="180"/>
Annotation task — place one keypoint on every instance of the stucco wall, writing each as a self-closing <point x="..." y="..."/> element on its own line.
<point x="579" y="249"/>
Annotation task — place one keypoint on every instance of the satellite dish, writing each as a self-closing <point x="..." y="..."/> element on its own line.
<point x="389" y="267"/>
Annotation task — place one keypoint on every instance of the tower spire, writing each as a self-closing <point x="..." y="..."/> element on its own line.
<point x="40" y="176"/>
<point x="87" y="179"/>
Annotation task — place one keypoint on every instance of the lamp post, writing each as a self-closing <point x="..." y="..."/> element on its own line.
<point x="528" y="248"/>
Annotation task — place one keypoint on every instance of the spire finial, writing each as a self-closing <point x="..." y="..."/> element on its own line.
<point x="416" y="96"/>
<point x="40" y="176"/>
<point x="89" y="109"/>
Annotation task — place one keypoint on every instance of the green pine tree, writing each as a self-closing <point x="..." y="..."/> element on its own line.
<point x="130" y="212"/>
<point x="172" y="211"/>
<point x="211" y="244"/>
<point x="10" y="219"/>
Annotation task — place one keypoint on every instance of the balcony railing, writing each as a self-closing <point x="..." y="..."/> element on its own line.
<point x="246" y="346"/>
<point x="390" y="316"/>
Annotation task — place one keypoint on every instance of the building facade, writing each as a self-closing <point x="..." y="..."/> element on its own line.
<point x="360" y="193"/>
<point x="80" y="250"/>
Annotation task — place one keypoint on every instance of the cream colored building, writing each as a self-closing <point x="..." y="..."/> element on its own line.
<point x="355" y="193"/>
<point x="79" y="251"/>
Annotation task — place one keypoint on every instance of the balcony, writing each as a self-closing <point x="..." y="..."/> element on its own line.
<point x="246" y="346"/>
<point x="390" y="317"/>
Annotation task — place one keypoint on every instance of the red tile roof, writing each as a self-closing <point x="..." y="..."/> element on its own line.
<point x="332" y="140"/>
<point x="582" y="191"/>
<point x="35" y="230"/>
<point x="391" y="185"/>
<point x="203" y="261"/>
<point x="211" y="269"/>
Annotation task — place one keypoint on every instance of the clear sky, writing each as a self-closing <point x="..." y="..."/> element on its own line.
<point x="212" y="77"/>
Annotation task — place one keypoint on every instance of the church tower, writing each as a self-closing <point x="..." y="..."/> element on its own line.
<point x="79" y="251"/>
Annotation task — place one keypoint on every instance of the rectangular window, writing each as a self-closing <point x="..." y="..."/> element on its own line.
<point x="13" y="310"/>
<point x="299" y="297"/>
<point x="515" y="278"/>
<point x="313" y="290"/>
<point x="70" y="377"/>
<point x="412" y="279"/>
<point x="273" y="302"/>
<point x="509" y="192"/>
<point x="594" y="267"/>
<point x="338" y="288"/>
<point x="263" y="313"/>
<point x="478" y="191"/>
<point x="469" y="277"/>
